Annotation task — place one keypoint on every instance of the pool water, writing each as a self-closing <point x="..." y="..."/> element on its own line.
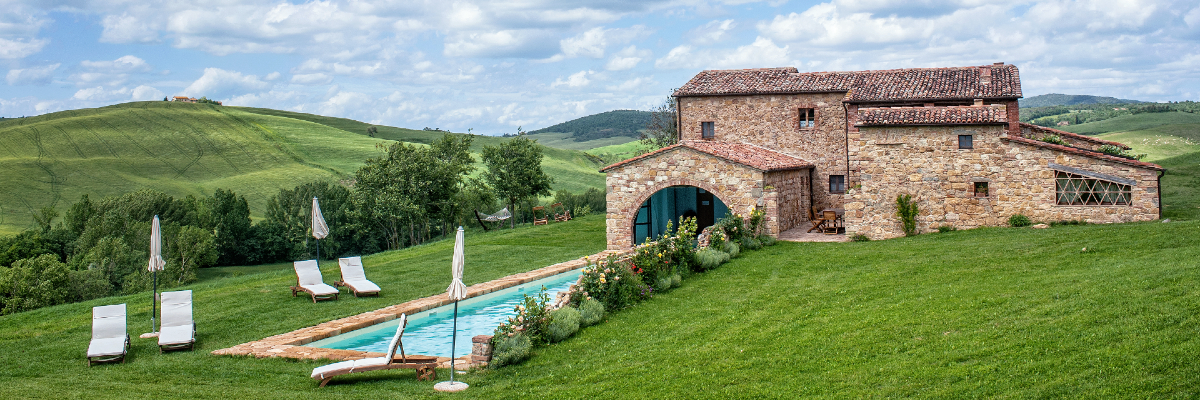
<point x="429" y="331"/>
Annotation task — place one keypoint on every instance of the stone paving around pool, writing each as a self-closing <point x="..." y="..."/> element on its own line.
<point x="290" y="345"/>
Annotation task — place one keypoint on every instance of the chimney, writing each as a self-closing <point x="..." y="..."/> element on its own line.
<point x="985" y="75"/>
<point x="978" y="102"/>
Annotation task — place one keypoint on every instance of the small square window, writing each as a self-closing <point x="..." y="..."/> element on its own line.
<point x="706" y="130"/>
<point x="966" y="141"/>
<point x="981" y="189"/>
<point x="807" y="118"/>
<point x="837" y="184"/>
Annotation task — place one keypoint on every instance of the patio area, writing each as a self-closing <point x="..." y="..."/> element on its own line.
<point x="800" y="234"/>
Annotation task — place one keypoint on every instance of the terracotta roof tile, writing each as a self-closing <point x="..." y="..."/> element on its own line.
<point x="980" y="82"/>
<point x="752" y="156"/>
<point x="954" y="115"/>
<point x="1031" y="131"/>
<point x="1083" y="152"/>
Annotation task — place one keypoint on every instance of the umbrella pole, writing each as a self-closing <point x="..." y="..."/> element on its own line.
<point x="154" y="304"/>
<point x="453" y="338"/>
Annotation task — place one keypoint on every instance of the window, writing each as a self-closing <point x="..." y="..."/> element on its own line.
<point x="966" y="141"/>
<point x="1077" y="190"/>
<point x="981" y="189"/>
<point x="807" y="118"/>
<point x="706" y="130"/>
<point x="837" y="184"/>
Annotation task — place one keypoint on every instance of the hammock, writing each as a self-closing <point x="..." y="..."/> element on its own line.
<point x="499" y="216"/>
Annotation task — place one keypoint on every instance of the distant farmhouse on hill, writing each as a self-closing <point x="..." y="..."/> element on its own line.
<point x="788" y="142"/>
<point x="186" y="99"/>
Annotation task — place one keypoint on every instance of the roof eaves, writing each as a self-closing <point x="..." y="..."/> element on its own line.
<point x="1083" y="152"/>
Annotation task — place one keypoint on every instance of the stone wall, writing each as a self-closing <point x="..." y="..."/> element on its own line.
<point x="772" y="121"/>
<point x="628" y="186"/>
<point x="789" y="200"/>
<point x="926" y="162"/>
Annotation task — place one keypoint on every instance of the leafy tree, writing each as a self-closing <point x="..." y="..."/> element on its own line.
<point x="372" y="130"/>
<point x="514" y="170"/>
<point x="286" y="233"/>
<point x="45" y="218"/>
<point x="230" y="224"/>
<point x="79" y="214"/>
<point x="663" y="129"/>
<point x="192" y="248"/>
<point x="33" y="283"/>
<point x="119" y="263"/>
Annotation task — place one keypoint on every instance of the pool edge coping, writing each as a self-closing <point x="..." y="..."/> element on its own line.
<point x="291" y="344"/>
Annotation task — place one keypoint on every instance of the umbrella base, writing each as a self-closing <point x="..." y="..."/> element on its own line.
<point x="450" y="386"/>
<point x="148" y="335"/>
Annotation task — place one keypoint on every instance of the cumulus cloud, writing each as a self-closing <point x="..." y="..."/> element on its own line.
<point x="218" y="83"/>
<point x="711" y="32"/>
<point x="21" y="48"/>
<point x="126" y="28"/>
<point x="516" y="43"/>
<point x="311" y="79"/>
<point x="123" y="64"/>
<point x="32" y="76"/>
<point x="627" y="58"/>
<point x="633" y="85"/>
<point x="762" y="53"/>
<point x="146" y="93"/>
<point x="578" y="79"/>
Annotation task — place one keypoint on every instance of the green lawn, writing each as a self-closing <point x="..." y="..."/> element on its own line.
<point x="1133" y="122"/>
<point x="993" y="312"/>
<point x="565" y="141"/>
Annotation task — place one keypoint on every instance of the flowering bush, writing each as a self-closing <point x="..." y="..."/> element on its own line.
<point x="532" y="319"/>
<point x="755" y="224"/>
<point x="611" y="282"/>
<point x="510" y="350"/>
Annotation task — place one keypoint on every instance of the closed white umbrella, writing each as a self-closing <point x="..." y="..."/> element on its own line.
<point x="156" y="264"/>
<point x="319" y="229"/>
<point x="457" y="291"/>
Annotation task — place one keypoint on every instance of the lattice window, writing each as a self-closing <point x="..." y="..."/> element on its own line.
<point x="1078" y="190"/>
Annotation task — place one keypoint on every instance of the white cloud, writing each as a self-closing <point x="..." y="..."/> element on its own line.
<point x="712" y="32"/>
<point x="627" y="58"/>
<point x="272" y="76"/>
<point x="217" y="83"/>
<point x="312" y="79"/>
<point x="32" y="76"/>
<point x="587" y="44"/>
<point x="762" y="53"/>
<point x="123" y="64"/>
<point x="633" y="85"/>
<point x="146" y="93"/>
<point x="578" y="79"/>
<point x="127" y="28"/>
<point x="21" y="48"/>
<point x="518" y="43"/>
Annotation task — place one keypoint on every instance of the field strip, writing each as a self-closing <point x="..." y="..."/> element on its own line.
<point x="290" y="345"/>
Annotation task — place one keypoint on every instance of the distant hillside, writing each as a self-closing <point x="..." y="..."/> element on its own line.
<point x="1055" y="99"/>
<point x="617" y="123"/>
<point x="192" y="149"/>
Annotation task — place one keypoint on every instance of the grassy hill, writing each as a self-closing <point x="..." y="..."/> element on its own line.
<point x="1056" y="99"/>
<point x="567" y="141"/>
<point x="620" y="125"/>
<point x="182" y="149"/>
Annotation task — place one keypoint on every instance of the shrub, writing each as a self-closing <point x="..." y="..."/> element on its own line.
<point x="676" y="280"/>
<point x="907" y="211"/>
<point x="611" y="282"/>
<point x="858" y="237"/>
<point x="664" y="284"/>
<point x="1069" y="222"/>
<point x="89" y="284"/>
<point x="734" y="227"/>
<point x="564" y="322"/>
<point x="766" y="240"/>
<point x="733" y="249"/>
<point x="509" y="349"/>
<point x="751" y="243"/>
<point x="716" y="239"/>
<point x="1054" y="139"/>
<point x="531" y="319"/>
<point x="1019" y="220"/>
<point x="709" y="258"/>
<point x="590" y="312"/>
<point x="755" y="223"/>
<point x="947" y="228"/>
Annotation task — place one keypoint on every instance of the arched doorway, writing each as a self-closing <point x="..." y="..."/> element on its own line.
<point x="671" y="203"/>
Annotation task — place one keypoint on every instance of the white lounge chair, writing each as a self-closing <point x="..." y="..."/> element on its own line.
<point x="110" y="340"/>
<point x="354" y="278"/>
<point x="178" y="329"/>
<point x="308" y="280"/>
<point x="422" y="364"/>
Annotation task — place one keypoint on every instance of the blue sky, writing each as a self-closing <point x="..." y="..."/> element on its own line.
<point x="496" y="65"/>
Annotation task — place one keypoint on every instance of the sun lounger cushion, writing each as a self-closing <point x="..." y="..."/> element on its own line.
<point x="177" y="325"/>
<point x="309" y="278"/>
<point x="109" y="335"/>
<point x="349" y="367"/>
<point x="354" y="276"/>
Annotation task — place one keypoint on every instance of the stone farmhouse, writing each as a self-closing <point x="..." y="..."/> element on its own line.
<point x="786" y="142"/>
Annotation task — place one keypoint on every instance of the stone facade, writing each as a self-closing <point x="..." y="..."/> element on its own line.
<point x="787" y="199"/>
<point x="739" y="187"/>
<point x="772" y="121"/>
<point x="925" y="162"/>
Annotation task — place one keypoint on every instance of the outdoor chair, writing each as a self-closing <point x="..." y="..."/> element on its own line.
<point x="110" y="340"/>
<point x="422" y="364"/>
<point x="831" y="222"/>
<point x="563" y="214"/>
<point x="542" y="220"/>
<point x="355" y="278"/>
<point x="308" y="280"/>
<point x="178" y="329"/>
<point x="818" y="222"/>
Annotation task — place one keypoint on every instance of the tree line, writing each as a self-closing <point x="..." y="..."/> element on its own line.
<point x="408" y="195"/>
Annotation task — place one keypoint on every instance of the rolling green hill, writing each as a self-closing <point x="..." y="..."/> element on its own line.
<point x="622" y="125"/>
<point x="182" y="149"/>
<point x="1056" y="99"/>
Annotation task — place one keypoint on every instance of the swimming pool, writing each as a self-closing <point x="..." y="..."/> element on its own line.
<point x="429" y="331"/>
